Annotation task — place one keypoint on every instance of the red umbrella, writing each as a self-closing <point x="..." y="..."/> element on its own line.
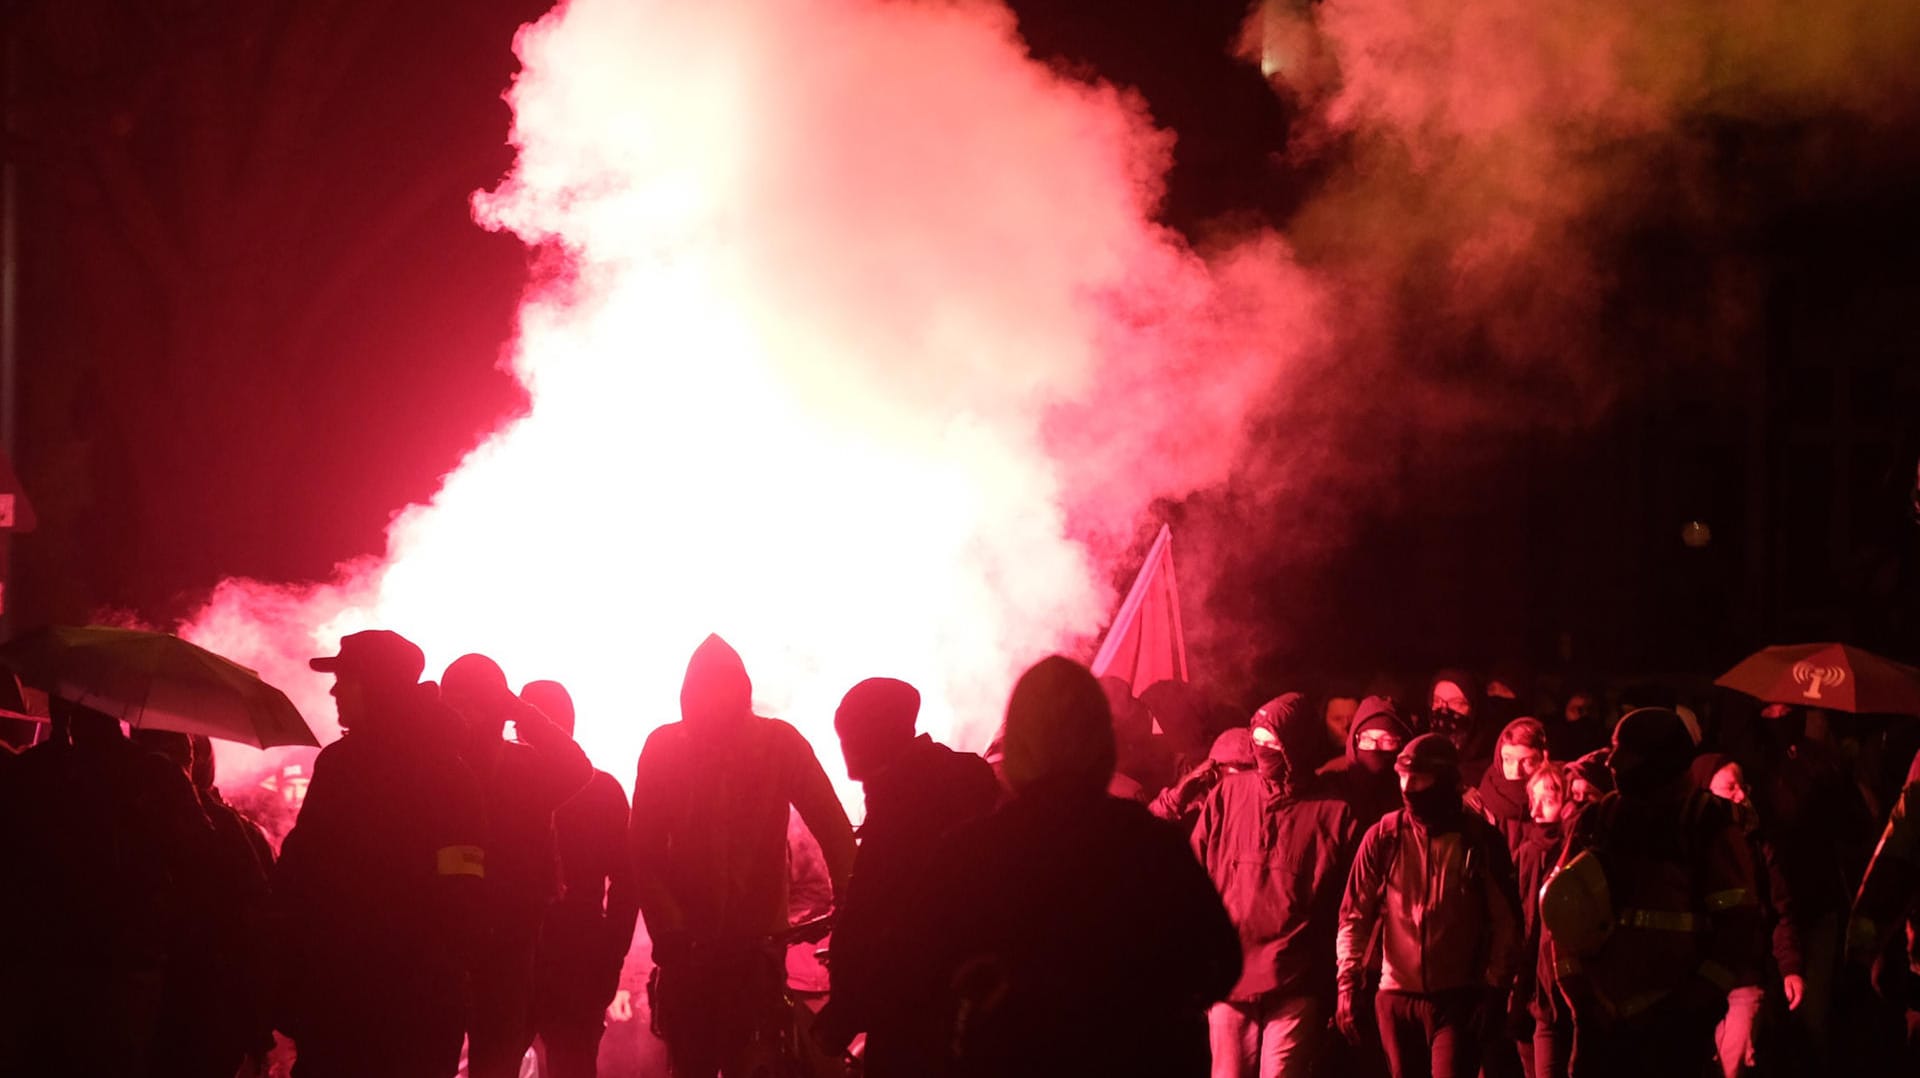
<point x="1838" y="677"/>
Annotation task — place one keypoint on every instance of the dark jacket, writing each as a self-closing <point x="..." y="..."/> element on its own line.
<point x="522" y="783"/>
<point x="911" y="807"/>
<point x="378" y="888"/>
<point x="1084" y="933"/>
<point x="709" y="827"/>
<point x="1280" y="865"/>
<point x="1681" y="880"/>
<point x="588" y="931"/>
<point x="1533" y="862"/>
<point x="1445" y="906"/>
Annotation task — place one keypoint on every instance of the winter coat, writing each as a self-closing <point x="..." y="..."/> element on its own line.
<point x="1083" y="936"/>
<point x="709" y="827"/>
<point x="378" y="887"/>
<point x="1682" y="886"/>
<point x="522" y="783"/>
<point x="1280" y="865"/>
<point x="1445" y="906"/>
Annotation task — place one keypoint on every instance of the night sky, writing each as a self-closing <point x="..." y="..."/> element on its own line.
<point x="256" y="320"/>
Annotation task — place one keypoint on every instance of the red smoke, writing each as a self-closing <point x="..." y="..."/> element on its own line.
<point x="864" y="354"/>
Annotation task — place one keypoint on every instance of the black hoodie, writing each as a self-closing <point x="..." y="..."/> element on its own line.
<point x="1369" y="785"/>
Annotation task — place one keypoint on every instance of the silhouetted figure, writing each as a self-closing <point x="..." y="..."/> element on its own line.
<point x="377" y="890"/>
<point x="1279" y="853"/>
<point x="709" y="837"/>
<point x="917" y="791"/>
<point x="214" y="1016"/>
<point x="1435" y="882"/>
<point x="1374" y="741"/>
<point x="1682" y="900"/>
<point x="1069" y="932"/>
<point x="587" y="932"/>
<point x="104" y="847"/>
<point x="521" y="784"/>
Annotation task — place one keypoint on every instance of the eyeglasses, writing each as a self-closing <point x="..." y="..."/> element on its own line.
<point x="1377" y="741"/>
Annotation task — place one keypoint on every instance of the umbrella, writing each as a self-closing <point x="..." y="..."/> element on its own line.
<point x="156" y="681"/>
<point x="1838" y="677"/>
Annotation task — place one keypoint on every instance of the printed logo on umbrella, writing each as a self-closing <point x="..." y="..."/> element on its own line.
<point x="1815" y="678"/>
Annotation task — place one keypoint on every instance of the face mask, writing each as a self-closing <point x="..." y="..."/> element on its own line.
<point x="1271" y="762"/>
<point x="1375" y="763"/>
<point x="1434" y="806"/>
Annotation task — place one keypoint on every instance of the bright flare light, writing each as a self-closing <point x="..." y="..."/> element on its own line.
<point x="860" y="306"/>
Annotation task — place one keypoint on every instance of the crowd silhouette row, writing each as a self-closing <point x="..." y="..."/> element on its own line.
<point x="1343" y="885"/>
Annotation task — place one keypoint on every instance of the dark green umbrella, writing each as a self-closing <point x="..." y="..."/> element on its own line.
<point x="156" y="681"/>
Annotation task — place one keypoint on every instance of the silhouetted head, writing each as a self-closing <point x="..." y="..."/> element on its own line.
<point x="374" y="672"/>
<point x="1651" y="753"/>
<point x="86" y="726"/>
<point x="476" y="689"/>
<point x="717" y="690"/>
<point x="1233" y="748"/>
<point x="875" y="723"/>
<point x="1059" y="729"/>
<point x="551" y="699"/>
<point x="175" y="748"/>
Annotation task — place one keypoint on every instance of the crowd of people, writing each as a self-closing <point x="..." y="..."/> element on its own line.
<point x="1342" y="885"/>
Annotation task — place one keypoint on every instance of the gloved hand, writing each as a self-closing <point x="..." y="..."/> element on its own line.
<point x="1196" y="783"/>
<point x="1344" y="1018"/>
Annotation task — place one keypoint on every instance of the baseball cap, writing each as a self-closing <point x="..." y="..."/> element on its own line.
<point x="377" y="654"/>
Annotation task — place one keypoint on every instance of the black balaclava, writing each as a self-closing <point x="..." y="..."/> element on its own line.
<point x="1377" y="713"/>
<point x="1282" y="763"/>
<point x="1438" y="806"/>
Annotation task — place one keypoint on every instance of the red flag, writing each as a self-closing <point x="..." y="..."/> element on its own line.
<point x="1145" y="643"/>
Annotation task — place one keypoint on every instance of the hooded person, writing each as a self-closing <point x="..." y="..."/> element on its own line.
<point x="1589" y="778"/>
<point x="711" y="800"/>
<point x="1180" y="803"/>
<point x="1069" y="932"/>
<point x="1437" y="885"/>
<point x="1681" y="893"/>
<point x="1374" y="741"/>
<point x="916" y="791"/>
<point x="1502" y="793"/>
<point x="1279" y="856"/>
<point x="1457" y="710"/>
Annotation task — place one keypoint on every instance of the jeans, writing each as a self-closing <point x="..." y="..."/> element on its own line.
<point x="1275" y="1037"/>
<point x="1432" y="1036"/>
